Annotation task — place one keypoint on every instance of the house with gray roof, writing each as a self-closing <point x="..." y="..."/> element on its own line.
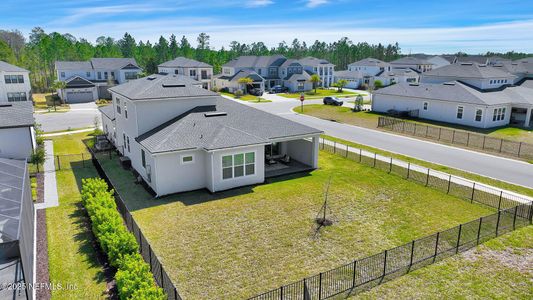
<point x="419" y="65"/>
<point x="367" y="71"/>
<point x="181" y="137"/>
<point x="270" y="71"/>
<point x="89" y="80"/>
<point x="14" y="83"/>
<point x="196" y="70"/>
<point x="17" y="135"/>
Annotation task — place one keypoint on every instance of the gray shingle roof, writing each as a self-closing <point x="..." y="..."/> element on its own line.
<point x="348" y="74"/>
<point x="313" y="61"/>
<point x="160" y="86"/>
<point x="16" y="114"/>
<point x="299" y="77"/>
<point x="96" y="64"/>
<point x="184" y="63"/>
<point x="241" y="126"/>
<point x="480" y="59"/>
<point x="468" y="70"/>
<point x="291" y="62"/>
<point x="409" y="60"/>
<point x="73" y="65"/>
<point x="372" y="62"/>
<point x="10" y="68"/>
<point x="246" y="73"/>
<point x="108" y="111"/>
<point x="252" y="61"/>
<point x="13" y="185"/>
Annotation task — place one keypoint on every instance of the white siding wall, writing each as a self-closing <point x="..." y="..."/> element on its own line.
<point x="14" y="87"/>
<point x="16" y="143"/>
<point x="173" y="176"/>
<point x="304" y="151"/>
<point x="440" y="110"/>
<point x="366" y="70"/>
<point x="109" y="128"/>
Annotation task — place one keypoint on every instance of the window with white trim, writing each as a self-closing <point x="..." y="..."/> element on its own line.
<point x="479" y="115"/>
<point x="17" y="97"/>
<point x="125" y="110"/>
<point x="238" y="165"/>
<point x="143" y="158"/>
<point x="119" y="109"/>
<point x="187" y="159"/>
<point x="426" y="105"/>
<point x="460" y="110"/>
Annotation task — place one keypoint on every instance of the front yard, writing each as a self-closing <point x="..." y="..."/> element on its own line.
<point x="247" y="98"/>
<point x="242" y="242"/>
<point x="46" y="102"/>
<point x="321" y="93"/>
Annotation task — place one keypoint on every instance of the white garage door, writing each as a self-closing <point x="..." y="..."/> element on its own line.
<point x="79" y="96"/>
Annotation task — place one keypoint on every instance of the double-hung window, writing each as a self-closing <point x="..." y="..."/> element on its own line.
<point x="14" y="79"/>
<point x="498" y="114"/>
<point x="460" y="110"/>
<point x="16" y="97"/>
<point x="119" y="109"/>
<point x="479" y="115"/>
<point x="125" y="110"/>
<point x="238" y="165"/>
<point x="426" y="105"/>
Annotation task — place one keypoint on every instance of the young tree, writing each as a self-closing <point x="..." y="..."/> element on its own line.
<point x="340" y="84"/>
<point x="57" y="85"/>
<point x="315" y="80"/>
<point x="378" y="84"/>
<point x="245" y="82"/>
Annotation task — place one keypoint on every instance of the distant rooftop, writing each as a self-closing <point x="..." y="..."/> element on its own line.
<point x="10" y="68"/>
<point x="96" y="64"/>
<point x="184" y="63"/>
<point x="372" y="62"/>
<point x="409" y="60"/>
<point x="469" y="70"/>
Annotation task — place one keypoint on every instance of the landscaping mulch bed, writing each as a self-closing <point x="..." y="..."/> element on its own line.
<point x="42" y="255"/>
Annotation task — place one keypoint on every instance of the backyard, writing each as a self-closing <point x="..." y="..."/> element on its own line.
<point x="242" y="242"/>
<point x="320" y="93"/>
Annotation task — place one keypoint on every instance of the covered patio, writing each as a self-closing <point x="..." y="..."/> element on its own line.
<point x="288" y="156"/>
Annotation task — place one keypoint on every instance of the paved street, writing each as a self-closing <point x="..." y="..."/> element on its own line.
<point x="504" y="169"/>
<point x="80" y="116"/>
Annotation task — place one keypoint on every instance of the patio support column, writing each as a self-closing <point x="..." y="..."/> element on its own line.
<point x="528" y="118"/>
<point x="315" y="151"/>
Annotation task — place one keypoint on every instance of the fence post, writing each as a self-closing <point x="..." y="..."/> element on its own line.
<point x="58" y="163"/>
<point x="467" y="139"/>
<point x="484" y="138"/>
<point x="375" y="154"/>
<point x="354" y="271"/>
<point x="498" y="222"/>
<point x="436" y="247"/>
<point x="501" y="144"/>
<point x="479" y="230"/>
<point x="412" y="255"/>
<point x="458" y="239"/>
<point x="162" y="281"/>
<point x="390" y="167"/>
<point x="514" y="218"/>
<point x="334" y="147"/>
<point x="519" y="148"/>
<point x="150" y="256"/>
<point x="320" y="286"/>
<point x="427" y="129"/>
<point x="473" y="190"/>
<point x="500" y="202"/>
<point x="175" y="293"/>
<point x="449" y="184"/>
<point x="281" y="292"/>
<point x="408" y="169"/>
<point x="440" y="130"/>
<point x="427" y="178"/>
<point x="346" y="150"/>
<point x="384" y="265"/>
<point x="83" y="160"/>
<point x="360" y="155"/>
<point x="403" y="126"/>
<point x="453" y="136"/>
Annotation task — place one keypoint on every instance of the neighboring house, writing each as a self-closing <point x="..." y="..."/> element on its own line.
<point x="89" y="80"/>
<point x="419" y="65"/>
<point x="437" y="61"/>
<point x="14" y="83"/>
<point x="478" y="59"/>
<point x="17" y="135"/>
<point x="269" y="71"/>
<point x="180" y="137"/>
<point x="468" y="94"/>
<point x="197" y="70"/>
<point x="354" y="78"/>
<point x="17" y="230"/>
<point x="368" y="70"/>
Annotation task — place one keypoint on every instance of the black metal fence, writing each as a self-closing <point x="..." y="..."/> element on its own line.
<point x="160" y="275"/>
<point x="370" y="271"/>
<point x="459" y="137"/>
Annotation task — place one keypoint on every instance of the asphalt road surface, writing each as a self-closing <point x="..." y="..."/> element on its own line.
<point x="79" y="116"/>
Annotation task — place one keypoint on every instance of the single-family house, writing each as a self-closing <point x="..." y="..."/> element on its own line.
<point x="354" y="78"/>
<point x="368" y="70"/>
<point x="468" y="94"/>
<point x="197" y="70"/>
<point x="17" y="135"/>
<point x="89" y="80"/>
<point x="270" y="71"/>
<point x="181" y="137"/>
<point x="14" y="83"/>
<point x="437" y="61"/>
<point x="420" y="65"/>
<point x="16" y="231"/>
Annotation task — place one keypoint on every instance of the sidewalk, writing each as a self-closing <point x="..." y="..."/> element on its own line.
<point x="51" y="197"/>
<point x="67" y="132"/>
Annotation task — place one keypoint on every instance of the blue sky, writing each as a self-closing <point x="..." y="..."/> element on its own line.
<point x="419" y="26"/>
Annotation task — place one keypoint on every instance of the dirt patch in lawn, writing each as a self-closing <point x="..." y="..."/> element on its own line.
<point x="518" y="259"/>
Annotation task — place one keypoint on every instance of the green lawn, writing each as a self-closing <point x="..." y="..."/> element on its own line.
<point x="33" y="188"/>
<point x="46" y="101"/>
<point x="320" y="93"/>
<point x="247" y="98"/>
<point x="71" y="255"/>
<point x="498" y="269"/>
<point x="242" y="242"/>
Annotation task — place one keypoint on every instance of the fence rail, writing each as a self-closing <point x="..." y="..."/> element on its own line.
<point x="459" y="137"/>
<point x="513" y="212"/>
<point x="160" y="275"/>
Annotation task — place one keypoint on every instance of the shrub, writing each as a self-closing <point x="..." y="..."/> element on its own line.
<point x="38" y="156"/>
<point x="134" y="280"/>
<point x="238" y="93"/>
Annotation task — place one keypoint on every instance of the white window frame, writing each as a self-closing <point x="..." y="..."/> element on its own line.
<point x="462" y="112"/>
<point x="187" y="162"/>
<point x="245" y="174"/>
<point x="425" y="106"/>
<point x="481" y="115"/>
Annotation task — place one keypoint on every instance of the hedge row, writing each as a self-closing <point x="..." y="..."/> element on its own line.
<point x="134" y="279"/>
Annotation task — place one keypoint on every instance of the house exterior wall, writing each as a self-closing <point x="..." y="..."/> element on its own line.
<point x="293" y="86"/>
<point x="366" y="70"/>
<point x="109" y="128"/>
<point x="172" y="175"/>
<point x="215" y="171"/>
<point x="14" y="87"/>
<point x="303" y="150"/>
<point x="442" y="111"/>
<point x="17" y="142"/>
<point x="187" y="72"/>
<point x="64" y="94"/>
<point x="232" y="86"/>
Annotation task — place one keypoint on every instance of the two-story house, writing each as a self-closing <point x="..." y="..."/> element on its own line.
<point x="89" y="80"/>
<point x="197" y="70"/>
<point x="367" y="71"/>
<point x="270" y="71"/>
<point x="181" y="137"/>
<point x="419" y="65"/>
<point x="14" y="83"/>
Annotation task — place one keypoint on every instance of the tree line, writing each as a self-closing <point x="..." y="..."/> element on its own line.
<point x="39" y="53"/>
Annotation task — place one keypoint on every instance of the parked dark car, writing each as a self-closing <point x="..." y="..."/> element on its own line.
<point x="278" y="89"/>
<point x="332" y="101"/>
<point x="256" y="92"/>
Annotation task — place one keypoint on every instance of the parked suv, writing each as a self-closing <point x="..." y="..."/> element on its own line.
<point x="332" y="101"/>
<point x="278" y="89"/>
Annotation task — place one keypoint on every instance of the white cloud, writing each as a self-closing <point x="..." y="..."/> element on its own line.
<point x="315" y="3"/>
<point x="259" y="3"/>
<point x="85" y="12"/>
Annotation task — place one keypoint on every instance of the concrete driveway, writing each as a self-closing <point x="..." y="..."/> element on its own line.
<point x="80" y="115"/>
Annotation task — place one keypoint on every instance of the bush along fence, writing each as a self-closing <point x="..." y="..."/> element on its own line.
<point x="153" y="264"/>
<point x="459" y="137"/>
<point x="361" y="274"/>
<point x="133" y="277"/>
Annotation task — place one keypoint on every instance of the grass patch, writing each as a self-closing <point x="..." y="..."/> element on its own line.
<point x="320" y="93"/>
<point x="71" y="255"/>
<point x="33" y="180"/>
<point x="437" y="167"/>
<point x="242" y="242"/>
<point x="341" y="114"/>
<point x="46" y="101"/>
<point x="247" y="98"/>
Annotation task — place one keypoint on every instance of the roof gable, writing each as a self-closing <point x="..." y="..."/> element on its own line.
<point x="10" y="68"/>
